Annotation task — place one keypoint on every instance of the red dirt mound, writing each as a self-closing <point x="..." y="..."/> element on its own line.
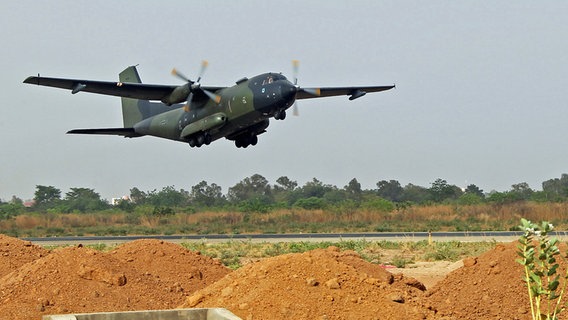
<point x="77" y="279"/>
<point x="487" y="287"/>
<point x="319" y="284"/>
<point x="14" y="253"/>
<point x="173" y="266"/>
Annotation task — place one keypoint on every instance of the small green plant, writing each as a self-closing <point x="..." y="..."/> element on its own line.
<point x="538" y="254"/>
<point x="400" y="261"/>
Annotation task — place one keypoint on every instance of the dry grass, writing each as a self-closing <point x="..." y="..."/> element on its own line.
<point x="209" y="216"/>
<point x="413" y="218"/>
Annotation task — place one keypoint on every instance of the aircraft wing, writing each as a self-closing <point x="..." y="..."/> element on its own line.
<point x="126" y="132"/>
<point x="121" y="89"/>
<point x="352" y="92"/>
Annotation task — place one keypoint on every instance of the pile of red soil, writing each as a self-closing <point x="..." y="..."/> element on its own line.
<point x="490" y="286"/>
<point x="14" y="253"/>
<point x="319" y="284"/>
<point x="147" y="274"/>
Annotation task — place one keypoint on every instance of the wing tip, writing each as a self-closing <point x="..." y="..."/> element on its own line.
<point x="125" y="132"/>
<point x="32" y="80"/>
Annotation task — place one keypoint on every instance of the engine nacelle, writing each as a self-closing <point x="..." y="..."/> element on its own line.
<point x="179" y="94"/>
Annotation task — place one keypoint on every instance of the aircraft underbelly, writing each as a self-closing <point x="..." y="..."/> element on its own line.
<point x="240" y="124"/>
<point x="163" y="125"/>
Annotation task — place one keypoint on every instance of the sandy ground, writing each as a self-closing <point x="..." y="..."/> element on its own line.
<point x="429" y="273"/>
<point x="320" y="284"/>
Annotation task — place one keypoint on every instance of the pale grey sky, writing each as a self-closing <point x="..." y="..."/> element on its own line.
<point x="481" y="91"/>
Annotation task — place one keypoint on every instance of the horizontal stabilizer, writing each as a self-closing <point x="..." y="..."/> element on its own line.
<point x="126" y="132"/>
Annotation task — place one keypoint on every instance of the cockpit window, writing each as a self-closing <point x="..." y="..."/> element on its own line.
<point x="268" y="80"/>
<point x="278" y="77"/>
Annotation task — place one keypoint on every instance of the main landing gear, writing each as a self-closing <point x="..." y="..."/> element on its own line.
<point x="199" y="139"/>
<point x="246" y="140"/>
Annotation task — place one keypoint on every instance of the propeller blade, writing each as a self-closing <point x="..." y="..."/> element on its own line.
<point x="295" y="70"/>
<point x="180" y="75"/>
<point x="295" y="110"/>
<point x="187" y="106"/>
<point x="194" y="86"/>
<point x="312" y="91"/>
<point x="212" y="96"/>
<point x="204" y="65"/>
<point x="295" y="67"/>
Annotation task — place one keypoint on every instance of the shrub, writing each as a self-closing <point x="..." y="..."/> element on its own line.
<point x="311" y="203"/>
<point x="538" y="256"/>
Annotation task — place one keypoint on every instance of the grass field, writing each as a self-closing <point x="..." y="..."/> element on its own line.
<point x="234" y="254"/>
<point x="482" y="217"/>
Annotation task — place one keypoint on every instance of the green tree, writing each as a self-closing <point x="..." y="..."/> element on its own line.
<point x="83" y="200"/>
<point x="285" y="184"/>
<point x="441" y="190"/>
<point x="416" y="194"/>
<point x="12" y="208"/>
<point x="16" y="200"/>
<point x="473" y="189"/>
<point x="556" y="189"/>
<point x="377" y="203"/>
<point x="353" y="190"/>
<point x="500" y="198"/>
<point x="390" y="190"/>
<point x="315" y="188"/>
<point x="126" y="205"/>
<point x="469" y="199"/>
<point x="254" y="187"/>
<point x="137" y="196"/>
<point x="168" y="197"/>
<point x="46" y="197"/>
<point x="336" y="197"/>
<point x="285" y="190"/>
<point x="521" y="191"/>
<point x="203" y="194"/>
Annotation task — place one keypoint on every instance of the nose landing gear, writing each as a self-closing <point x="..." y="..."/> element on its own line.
<point x="280" y="115"/>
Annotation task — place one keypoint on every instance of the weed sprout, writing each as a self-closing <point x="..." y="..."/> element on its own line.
<point x="538" y="254"/>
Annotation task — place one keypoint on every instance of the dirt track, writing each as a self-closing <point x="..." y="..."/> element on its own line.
<point x="320" y="284"/>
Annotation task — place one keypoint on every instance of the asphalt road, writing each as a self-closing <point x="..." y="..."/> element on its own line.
<point x="477" y="236"/>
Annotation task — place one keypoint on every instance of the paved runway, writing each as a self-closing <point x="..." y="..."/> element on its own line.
<point x="477" y="236"/>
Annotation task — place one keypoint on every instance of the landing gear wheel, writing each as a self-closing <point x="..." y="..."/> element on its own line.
<point x="280" y="115"/>
<point x="207" y="139"/>
<point x="246" y="140"/>
<point x="200" y="139"/>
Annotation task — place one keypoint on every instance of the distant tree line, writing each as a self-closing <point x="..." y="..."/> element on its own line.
<point x="256" y="194"/>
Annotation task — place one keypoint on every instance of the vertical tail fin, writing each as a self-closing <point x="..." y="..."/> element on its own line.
<point x="131" y="110"/>
<point x="134" y="110"/>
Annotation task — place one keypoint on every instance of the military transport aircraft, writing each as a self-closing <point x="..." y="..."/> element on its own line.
<point x="197" y="114"/>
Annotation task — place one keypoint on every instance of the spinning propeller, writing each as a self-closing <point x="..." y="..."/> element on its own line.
<point x="196" y="85"/>
<point x="312" y="91"/>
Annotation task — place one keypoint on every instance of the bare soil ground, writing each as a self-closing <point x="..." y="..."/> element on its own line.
<point x="319" y="284"/>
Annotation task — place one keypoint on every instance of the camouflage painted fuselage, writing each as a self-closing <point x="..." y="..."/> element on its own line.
<point x="243" y="111"/>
